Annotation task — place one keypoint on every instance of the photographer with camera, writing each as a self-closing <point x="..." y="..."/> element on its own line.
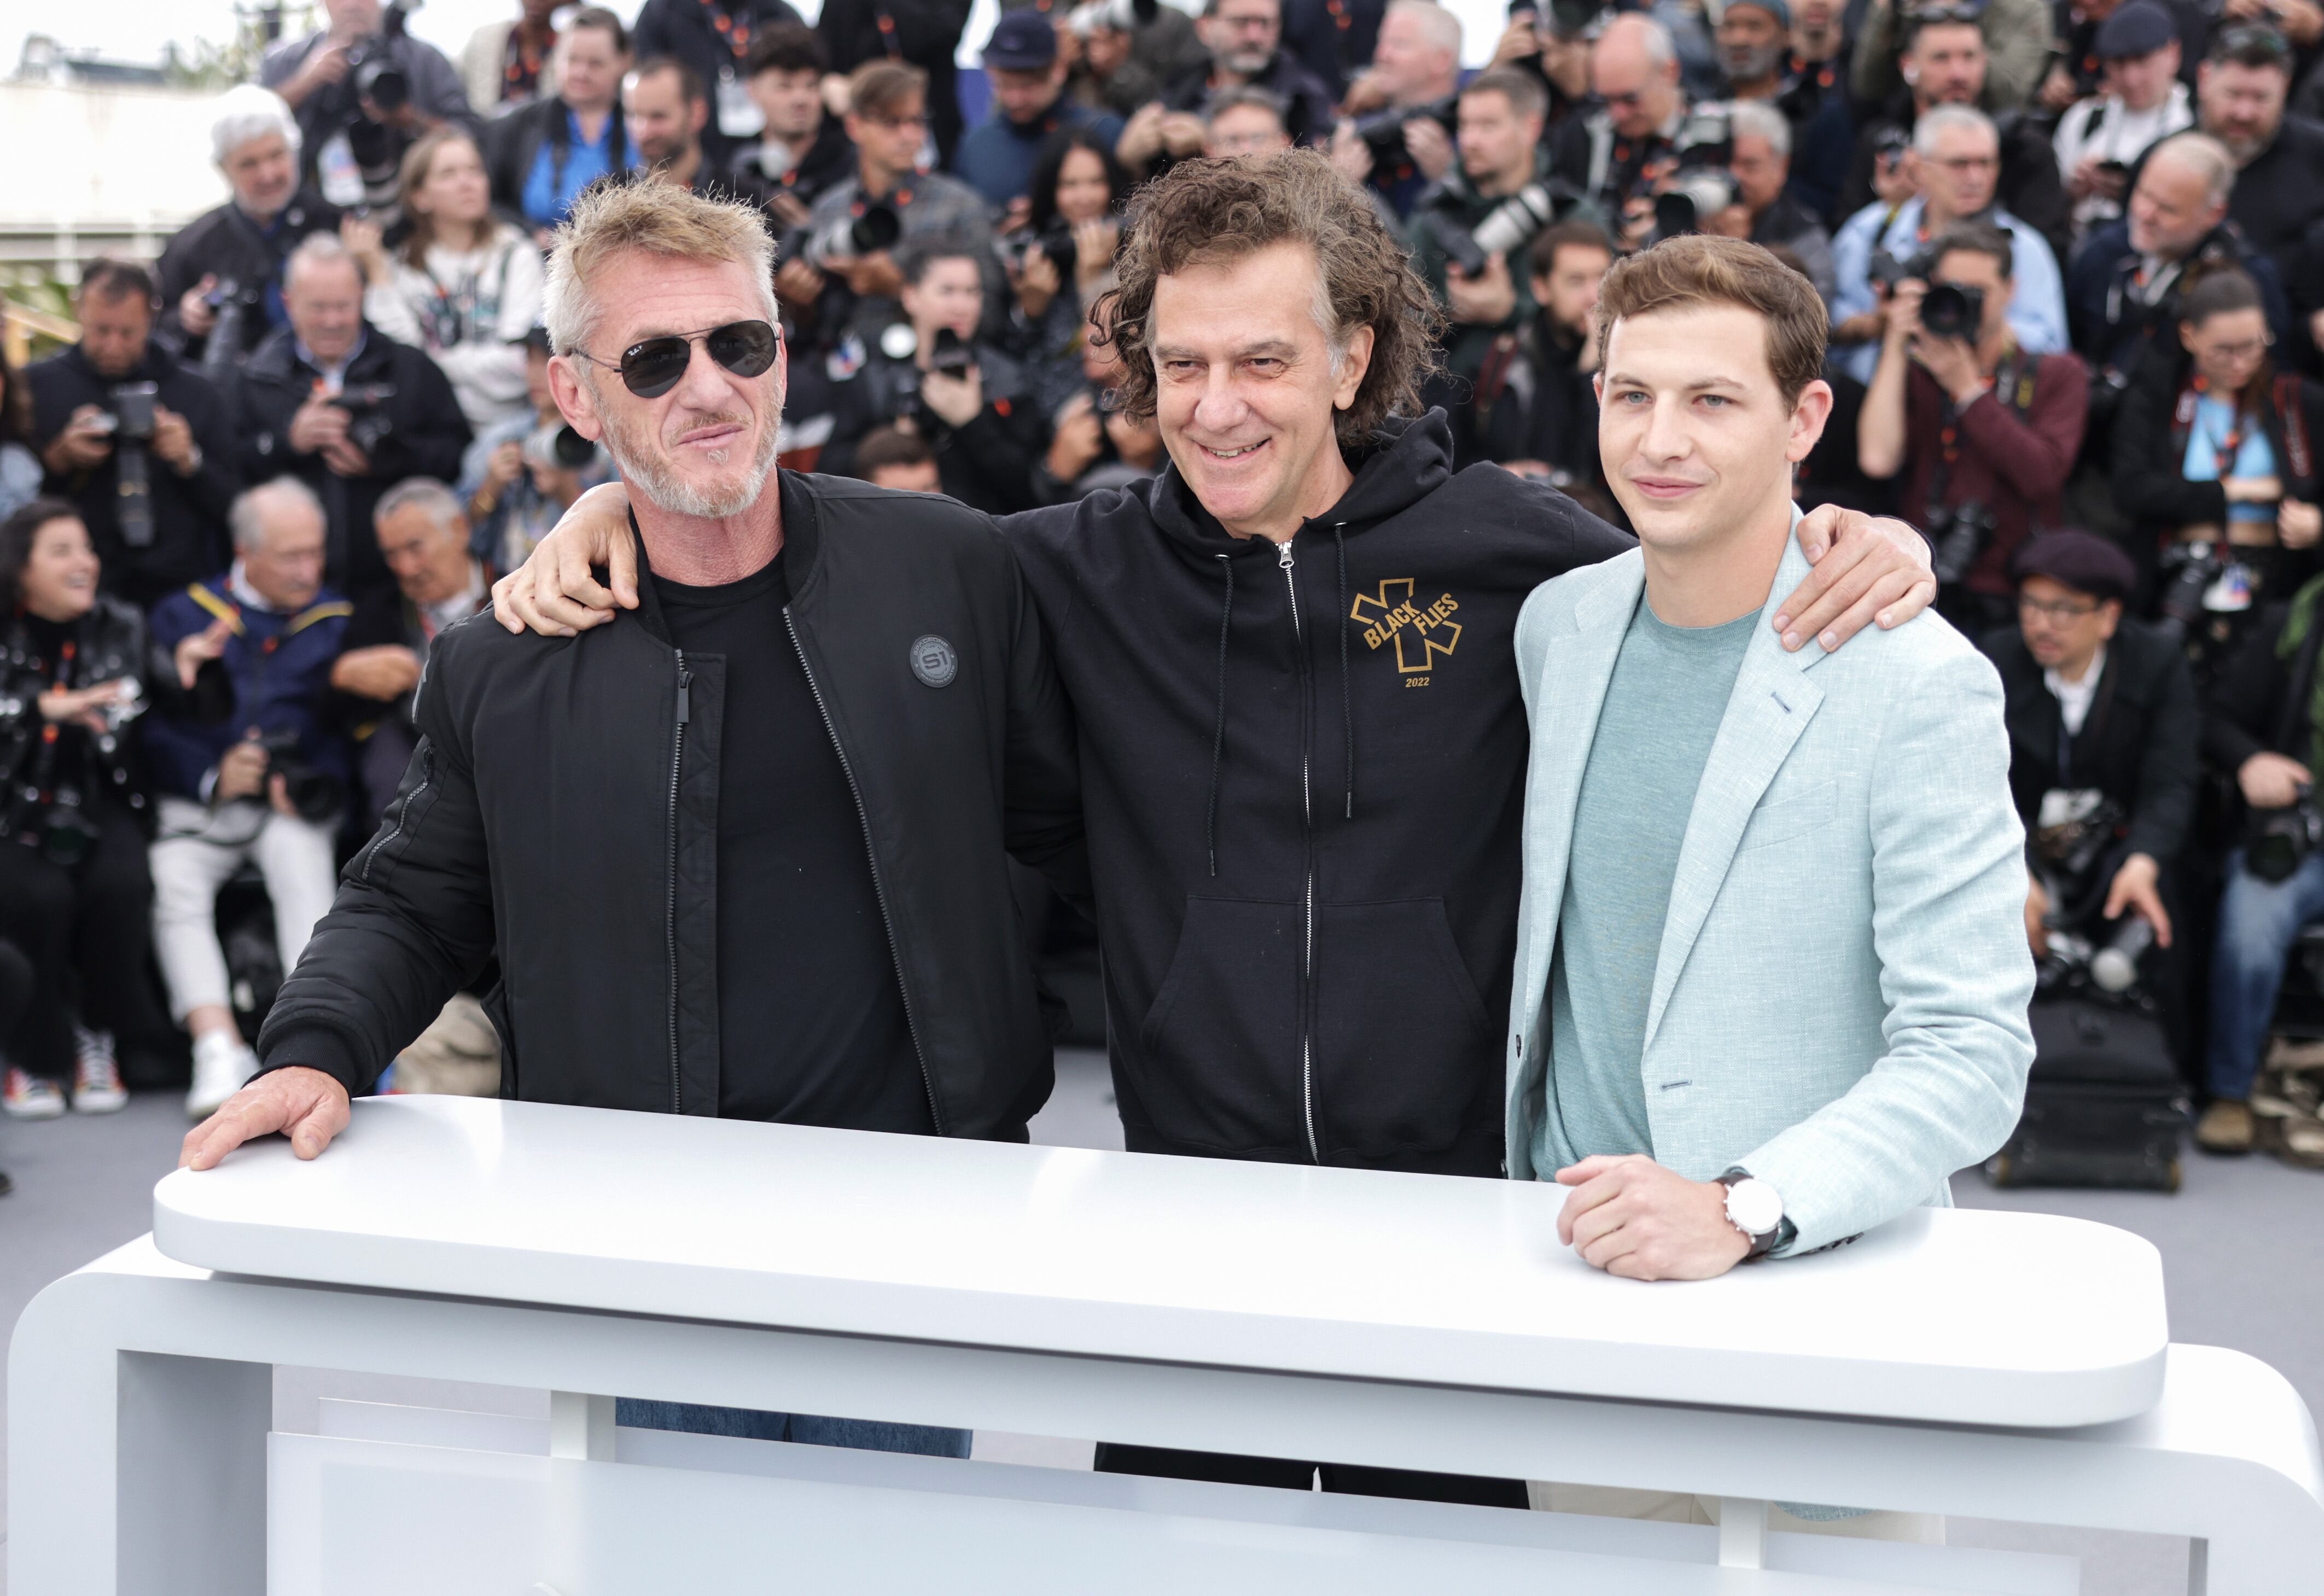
<point x="2102" y="730"/>
<point x="540" y="156"/>
<point x="1245" y="39"/>
<point x="363" y="90"/>
<point x="220" y="276"/>
<point x="2101" y="138"/>
<point x="335" y="403"/>
<point x="135" y="439"/>
<point x="1396" y="132"/>
<point x="520" y="475"/>
<point x="1535" y="410"/>
<point x="841" y="273"/>
<point x="2265" y="723"/>
<point x="931" y="373"/>
<point x="266" y="784"/>
<point x="712" y="38"/>
<point x="2123" y="293"/>
<point x="1616" y="156"/>
<point x="463" y="285"/>
<point x="803" y="148"/>
<point x="1470" y="231"/>
<point x="1982" y="431"/>
<point x="1949" y="172"/>
<point x="1062" y="260"/>
<point x="424" y="538"/>
<point x="2214" y="459"/>
<point x="74" y="893"/>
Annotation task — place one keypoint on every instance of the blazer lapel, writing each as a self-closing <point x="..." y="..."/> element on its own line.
<point x="1575" y="669"/>
<point x="1771" y="705"/>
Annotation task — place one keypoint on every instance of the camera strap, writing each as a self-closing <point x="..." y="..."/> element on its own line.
<point x="2013" y="386"/>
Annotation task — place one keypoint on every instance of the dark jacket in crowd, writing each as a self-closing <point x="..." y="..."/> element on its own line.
<point x="1534" y="401"/>
<point x="1306" y="100"/>
<point x="1334" y="39"/>
<point x="2078" y="37"/>
<point x="434" y="85"/>
<point x="2151" y="432"/>
<point x="829" y="160"/>
<point x="691" y="31"/>
<point x="2280" y="194"/>
<point x="245" y="258"/>
<point x="1303" y="772"/>
<point x="538" y="752"/>
<point x="924" y="33"/>
<point x="424" y="434"/>
<point x="2137" y="744"/>
<point x="280" y="665"/>
<point x="512" y="144"/>
<point x="188" y="513"/>
<point x="2264" y="701"/>
<point x="1452" y="207"/>
<point x="2112" y="320"/>
<point x="2028" y="187"/>
<point x="987" y="464"/>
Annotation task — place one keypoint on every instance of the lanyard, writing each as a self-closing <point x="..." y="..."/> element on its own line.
<point x="520" y="64"/>
<point x="734" y="29"/>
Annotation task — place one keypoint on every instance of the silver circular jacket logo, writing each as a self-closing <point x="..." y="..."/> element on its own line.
<point x="934" y="662"/>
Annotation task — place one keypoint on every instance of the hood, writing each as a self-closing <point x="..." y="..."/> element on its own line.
<point x="1408" y="459"/>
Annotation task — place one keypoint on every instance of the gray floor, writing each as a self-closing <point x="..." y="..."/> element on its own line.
<point x="2243" y="1250"/>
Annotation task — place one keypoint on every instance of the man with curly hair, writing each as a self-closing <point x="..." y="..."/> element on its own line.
<point x="1301" y="741"/>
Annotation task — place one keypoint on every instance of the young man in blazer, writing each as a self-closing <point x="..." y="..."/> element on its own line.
<point x="1772" y="972"/>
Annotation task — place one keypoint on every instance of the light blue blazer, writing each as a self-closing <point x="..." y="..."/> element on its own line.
<point x="1839" y="1003"/>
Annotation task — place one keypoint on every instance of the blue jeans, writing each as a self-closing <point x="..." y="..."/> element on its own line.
<point x="2258" y="923"/>
<point x="805" y="1428"/>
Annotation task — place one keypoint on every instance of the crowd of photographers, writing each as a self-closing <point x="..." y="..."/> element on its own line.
<point x="2073" y="254"/>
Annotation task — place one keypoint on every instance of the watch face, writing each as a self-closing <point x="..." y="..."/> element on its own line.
<point x="1754" y="1206"/>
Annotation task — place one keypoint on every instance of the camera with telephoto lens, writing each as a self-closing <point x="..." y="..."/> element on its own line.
<point x="1383" y="131"/>
<point x="232" y="303"/>
<point x="2280" y="840"/>
<point x="372" y="66"/>
<point x="1702" y="186"/>
<point x="1508" y="228"/>
<point x="1958" y="534"/>
<point x="1056" y="241"/>
<point x="2188" y="569"/>
<point x="847" y="237"/>
<point x="317" y="795"/>
<point x="131" y="406"/>
<point x="128" y="420"/>
<point x="366" y="407"/>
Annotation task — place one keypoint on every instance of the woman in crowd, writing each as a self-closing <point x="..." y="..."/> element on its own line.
<point x="464" y="285"/>
<point x="1078" y="191"/>
<point x="74" y="896"/>
<point x="2214" y="451"/>
<point x="20" y="467"/>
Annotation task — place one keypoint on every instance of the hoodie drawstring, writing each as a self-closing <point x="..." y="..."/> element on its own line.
<point x="1219" y="731"/>
<point x="1347" y="706"/>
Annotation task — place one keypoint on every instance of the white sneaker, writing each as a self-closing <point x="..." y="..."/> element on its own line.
<point x="222" y="1063"/>
<point x="97" y="1084"/>
<point x="30" y="1097"/>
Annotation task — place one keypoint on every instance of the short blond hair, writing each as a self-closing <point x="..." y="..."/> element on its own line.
<point x="615" y="216"/>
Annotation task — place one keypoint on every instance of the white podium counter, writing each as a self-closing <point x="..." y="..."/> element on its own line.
<point x="1991" y="1364"/>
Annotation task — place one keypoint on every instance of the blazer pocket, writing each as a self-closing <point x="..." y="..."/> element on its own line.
<point x="1791" y="818"/>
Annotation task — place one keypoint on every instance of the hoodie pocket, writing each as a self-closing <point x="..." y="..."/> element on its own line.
<point x="1222" y="1037"/>
<point x="1401" y="1037"/>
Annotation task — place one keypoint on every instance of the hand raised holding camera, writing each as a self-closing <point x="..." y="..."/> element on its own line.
<point x="85" y="442"/>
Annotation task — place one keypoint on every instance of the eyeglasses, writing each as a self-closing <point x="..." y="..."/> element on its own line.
<point x="898" y="124"/>
<point x="2242" y="349"/>
<point x="2055" y="609"/>
<point x="654" y="366"/>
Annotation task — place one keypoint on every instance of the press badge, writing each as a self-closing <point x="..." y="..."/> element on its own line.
<point x="739" y="117"/>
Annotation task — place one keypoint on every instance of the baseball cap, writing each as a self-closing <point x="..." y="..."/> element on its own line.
<point x="1022" y="41"/>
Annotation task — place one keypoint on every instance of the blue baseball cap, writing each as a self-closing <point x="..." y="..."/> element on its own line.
<point x="1022" y="41"/>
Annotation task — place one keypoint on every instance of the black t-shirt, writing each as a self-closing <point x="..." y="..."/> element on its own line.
<point x="811" y="1027"/>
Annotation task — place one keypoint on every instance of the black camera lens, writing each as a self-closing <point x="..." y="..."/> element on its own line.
<point x="876" y="229"/>
<point x="950" y="356"/>
<point x="1950" y="311"/>
<point x="571" y="449"/>
<point x="381" y="80"/>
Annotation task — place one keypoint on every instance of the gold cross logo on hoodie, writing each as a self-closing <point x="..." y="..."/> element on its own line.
<point x="1420" y="635"/>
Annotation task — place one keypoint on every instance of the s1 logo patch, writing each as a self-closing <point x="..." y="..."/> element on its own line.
<point x="934" y="662"/>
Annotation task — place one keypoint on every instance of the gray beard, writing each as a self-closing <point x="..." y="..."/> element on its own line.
<point x="644" y="471"/>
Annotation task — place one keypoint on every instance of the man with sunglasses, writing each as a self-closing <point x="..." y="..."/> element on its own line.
<point x="743" y="854"/>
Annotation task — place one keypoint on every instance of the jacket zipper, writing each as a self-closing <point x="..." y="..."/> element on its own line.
<point x="669" y="924"/>
<point x="879" y="891"/>
<point x="1308" y="823"/>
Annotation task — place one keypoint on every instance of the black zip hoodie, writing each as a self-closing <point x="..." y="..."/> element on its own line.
<point x="1302" y="774"/>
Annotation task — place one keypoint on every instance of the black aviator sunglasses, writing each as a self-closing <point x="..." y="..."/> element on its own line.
<point x="652" y="367"/>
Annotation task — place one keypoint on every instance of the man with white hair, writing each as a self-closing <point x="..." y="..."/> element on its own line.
<point x="332" y="400"/>
<point x="1952" y="166"/>
<point x="2126" y="283"/>
<point x="263" y="785"/>
<point x="1613" y="156"/>
<point x="1397" y="134"/>
<point x="742" y="853"/>
<point x="225" y="265"/>
<point x="1772" y="216"/>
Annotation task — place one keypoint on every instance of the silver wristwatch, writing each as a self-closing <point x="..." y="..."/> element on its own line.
<point x="1756" y="1209"/>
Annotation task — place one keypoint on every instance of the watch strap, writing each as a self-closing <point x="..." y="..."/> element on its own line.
<point x="1763" y="1242"/>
